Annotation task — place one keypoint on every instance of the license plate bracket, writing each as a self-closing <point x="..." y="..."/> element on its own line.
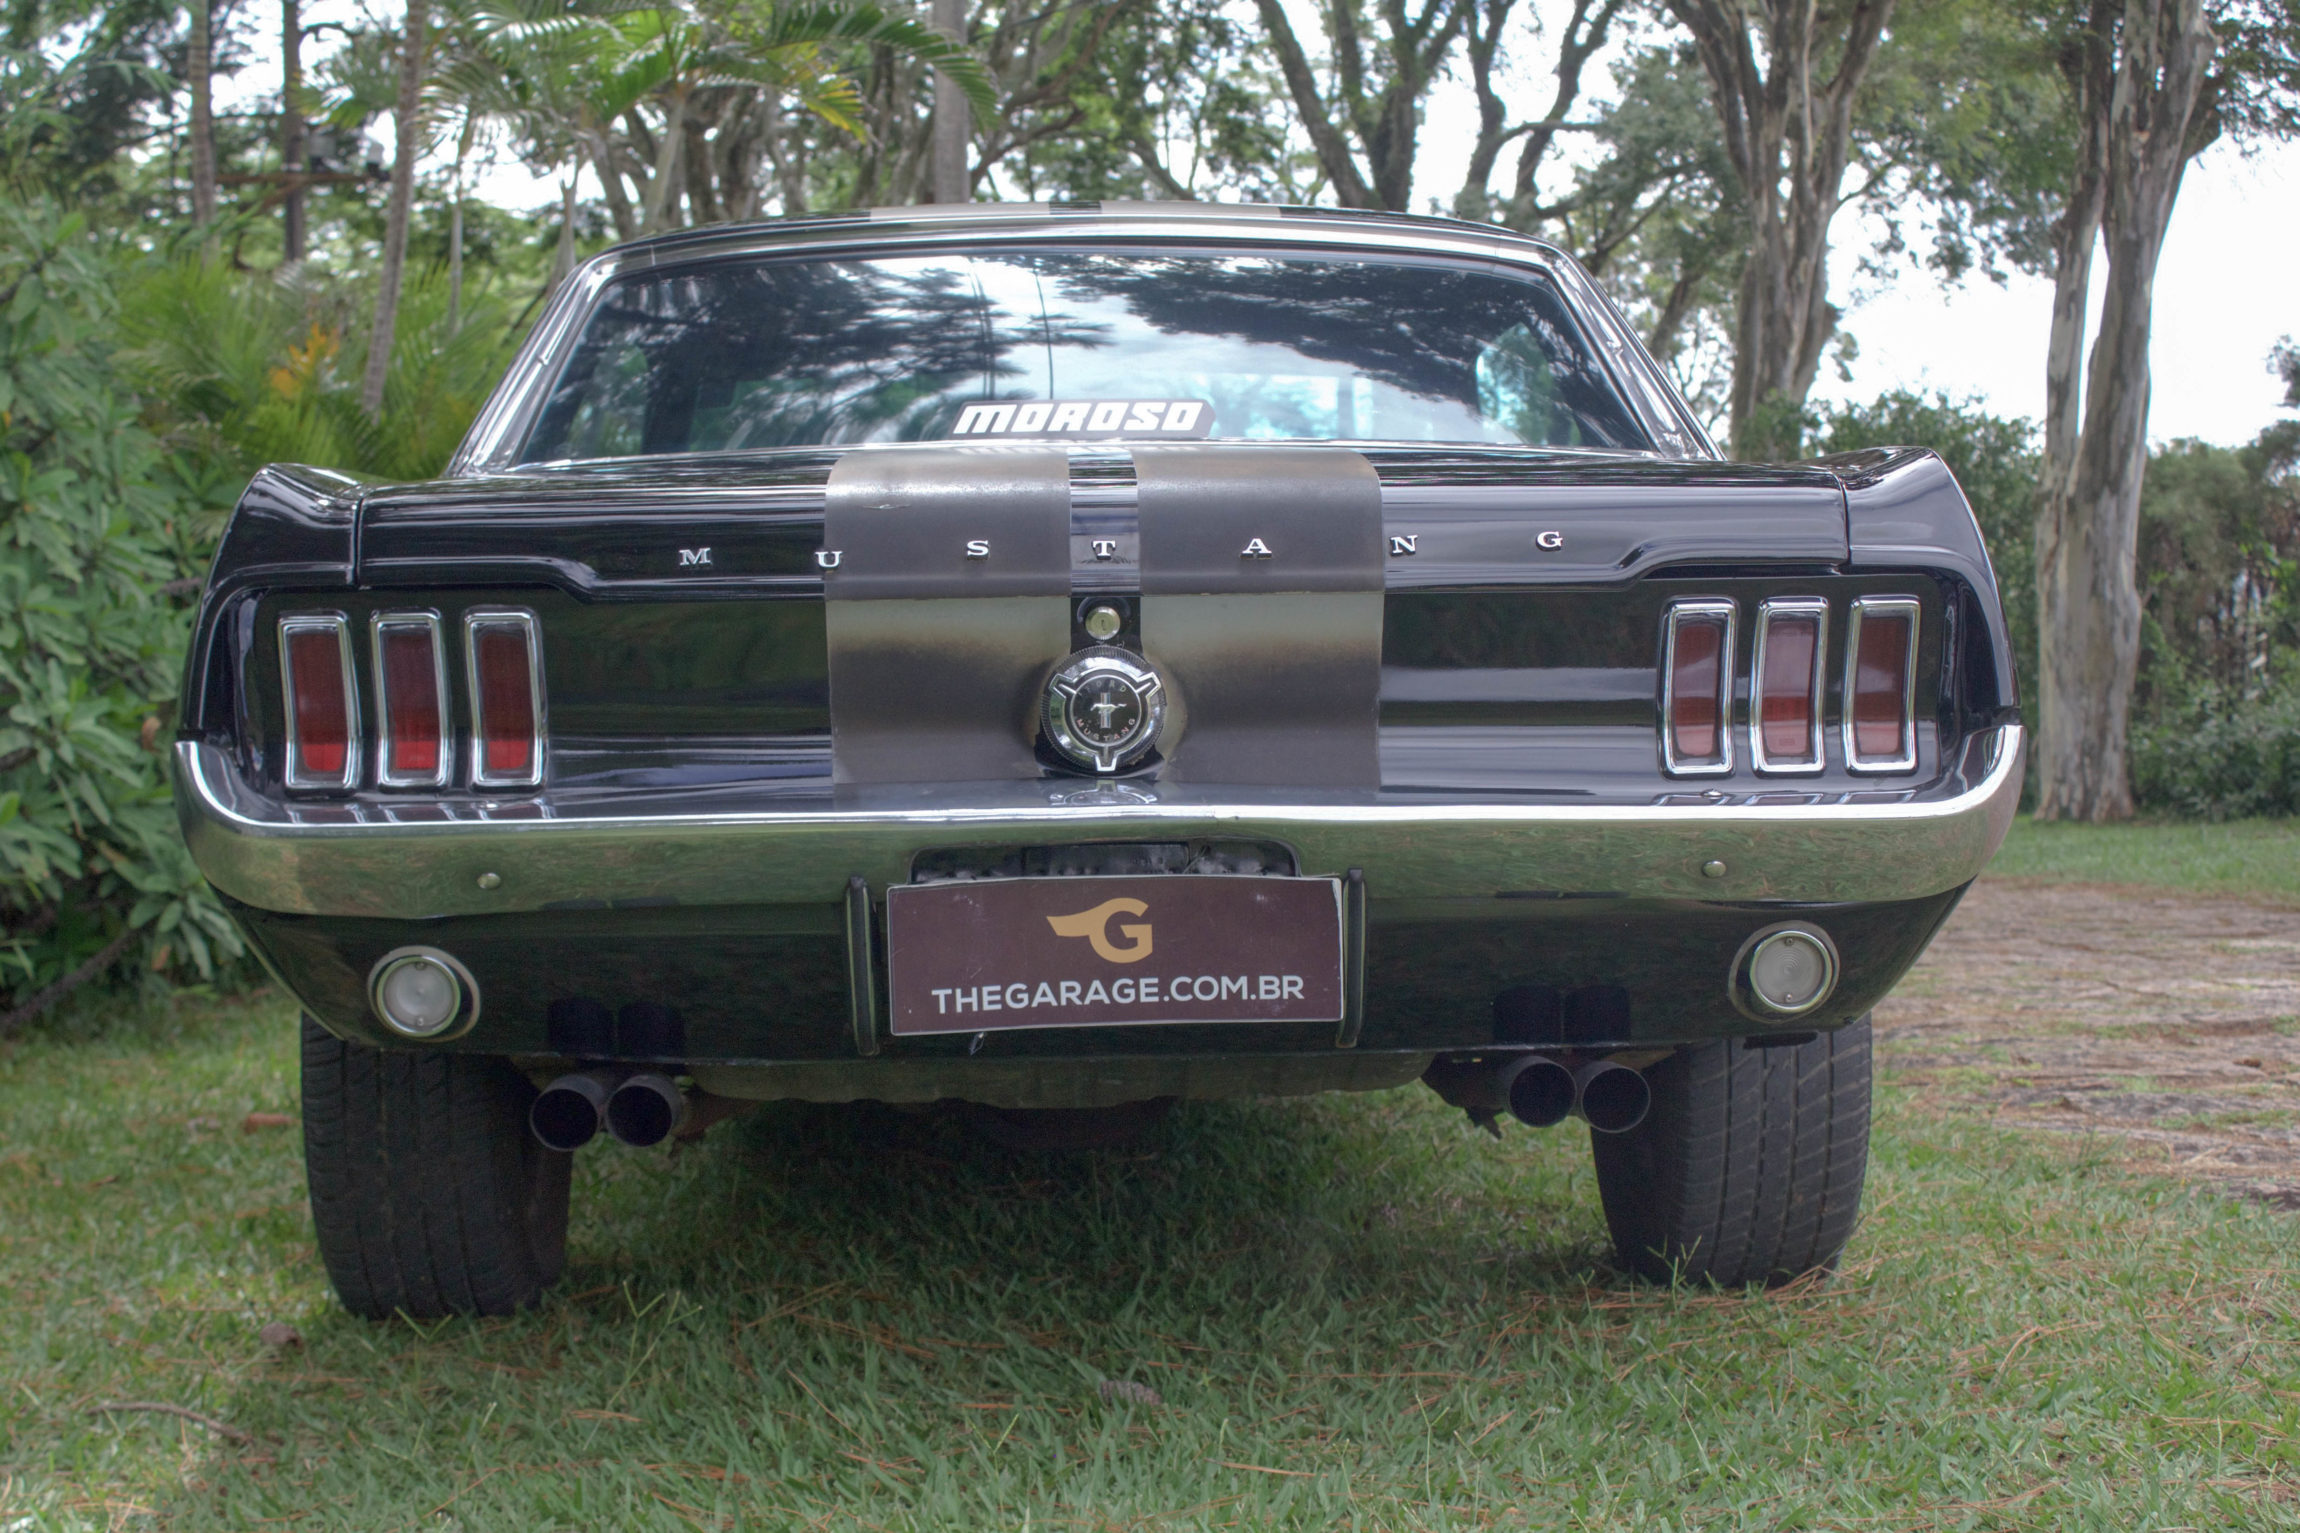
<point x="995" y="954"/>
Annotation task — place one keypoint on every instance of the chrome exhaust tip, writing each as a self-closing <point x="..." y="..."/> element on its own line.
<point x="567" y="1113"/>
<point x="1539" y="1090"/>
<point x="1611" y="1098"/>
<point x="646" y="1110"/>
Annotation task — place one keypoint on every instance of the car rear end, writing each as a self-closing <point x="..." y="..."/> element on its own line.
<point x="1056" y="768"/>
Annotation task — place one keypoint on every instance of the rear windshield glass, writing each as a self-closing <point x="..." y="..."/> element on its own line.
<point x="792" y="353"/>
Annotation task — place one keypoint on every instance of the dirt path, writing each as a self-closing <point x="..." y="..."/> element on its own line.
<point x="2170" y="1021"/>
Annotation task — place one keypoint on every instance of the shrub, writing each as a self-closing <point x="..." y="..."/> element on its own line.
<point x="2221" y="757"/>
<point x="1995" y="461"/>
<point x="103" y="535"/>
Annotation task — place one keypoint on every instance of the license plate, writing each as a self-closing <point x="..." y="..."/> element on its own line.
<point x="977" y="955"/>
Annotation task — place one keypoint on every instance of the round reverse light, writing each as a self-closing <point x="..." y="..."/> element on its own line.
<point x="1786" y="972"/>
<point x="423" y="993"/>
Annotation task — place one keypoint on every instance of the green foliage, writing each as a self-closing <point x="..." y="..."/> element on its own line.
<point x="2217" y="713"/>
<point x="1995" y="460"/>
<point x="1659" y="220"/>
<point x="2219" y="754"/>
<point x="103" y="535"/>
<point x="2219" y="537"/>
<point x="267" y="371"/>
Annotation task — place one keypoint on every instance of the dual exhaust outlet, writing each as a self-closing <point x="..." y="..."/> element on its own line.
<point x="1542" y="1092"/>
<point x="639" y="1109"/>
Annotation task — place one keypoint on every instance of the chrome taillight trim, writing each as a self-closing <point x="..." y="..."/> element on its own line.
<point x="385" y="775"/>
<point x="475" y="620"/>
<point x="1816" y="608"/>
<point x="293" y="773"/>
<point x="1707" y="608"/>
<point x="1904" y="760"/>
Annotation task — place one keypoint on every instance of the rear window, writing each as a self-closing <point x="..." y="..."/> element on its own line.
<point x="740" y="355"/>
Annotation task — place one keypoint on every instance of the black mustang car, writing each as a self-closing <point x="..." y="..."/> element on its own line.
<point x="1070" y="658"/>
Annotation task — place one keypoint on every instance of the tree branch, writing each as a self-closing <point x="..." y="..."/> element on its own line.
<point x="105" y="957"/>
<point x="1333" y="151"/>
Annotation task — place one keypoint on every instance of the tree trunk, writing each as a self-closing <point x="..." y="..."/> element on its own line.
<point x="291" y="130"/>
<point x="2157" y="115"/>
<point x="399" y="211"/>
<point x="199" y="64"/>
<point x="662" y="190"/>
<point x="455" y="225"/>
<point x="610" y="184"/>
<point x="1788" y="135"/>
<point x="695" y="165"/>
<point x="563" y="260"/>
<point x="952" y="178"/>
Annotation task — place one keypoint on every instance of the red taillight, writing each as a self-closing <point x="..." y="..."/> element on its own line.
<point x="1880" y="675"/>
<point x="1786" y="706"/>
<point x="1697" y="688"/>
<point x="322" y="750"/>
<point x="506" y="699"/>
<point x="412" y="708"/>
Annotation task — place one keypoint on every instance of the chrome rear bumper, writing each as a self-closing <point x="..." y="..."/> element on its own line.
<point x="428" y="861"/>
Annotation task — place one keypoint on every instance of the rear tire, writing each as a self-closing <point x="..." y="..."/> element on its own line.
<point x="1749" y="1167"/>
<point x="428" y="1194"/>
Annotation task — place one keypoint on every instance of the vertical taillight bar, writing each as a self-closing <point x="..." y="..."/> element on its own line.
<point x="1785" y="684"/>
<point x="503" y="653"/>
<point x="1881" y="684"/>
<point x="415" y="745"/>
<point x="1697" y="688"/>
<point x="321" y="701"/>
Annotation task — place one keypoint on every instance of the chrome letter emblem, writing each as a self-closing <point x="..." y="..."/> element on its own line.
<point x="1405" y="543"/>
<point x="688" y="556"/>
<point x="1104" y="708"/>
<point x="1255" y="549"/>
<point x="1105" y="548"/>
<point x="1551" y="540"/>
<point x="827" y="558"/>
<point x="978" y="548"/>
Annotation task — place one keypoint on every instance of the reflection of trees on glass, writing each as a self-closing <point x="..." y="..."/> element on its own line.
<point x="751" y="354"/>
<point x="766" y="354"/>
<point x="1421" y="330"/>
<point x="1517" y="390"/>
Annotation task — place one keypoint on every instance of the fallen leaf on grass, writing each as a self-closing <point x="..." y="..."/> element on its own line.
<point x="257" y="1122"/>
<point x="279" y="1336"/>
<point x="1128" y="1391"/>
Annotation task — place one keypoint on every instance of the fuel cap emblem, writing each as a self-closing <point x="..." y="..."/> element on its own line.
<point x="1104" y="708"/>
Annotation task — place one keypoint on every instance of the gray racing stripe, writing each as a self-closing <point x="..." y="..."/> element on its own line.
<point x="937" y="655"/>
<point x="1262" y="574"/>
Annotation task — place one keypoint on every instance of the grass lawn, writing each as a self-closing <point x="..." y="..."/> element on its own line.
<point x="2258" y="859"/>
<point x="1356" y="1312"/>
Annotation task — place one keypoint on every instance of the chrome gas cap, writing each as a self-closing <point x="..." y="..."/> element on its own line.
<point x="1104" y="708"/>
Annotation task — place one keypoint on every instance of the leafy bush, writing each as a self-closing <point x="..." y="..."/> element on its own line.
<point x="1995" y="461"/>
<point x="2219" y="540"/>
<point x="2221" y="756"/>
<point x="104" y="532"/>
<point x="266" y="370"/>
